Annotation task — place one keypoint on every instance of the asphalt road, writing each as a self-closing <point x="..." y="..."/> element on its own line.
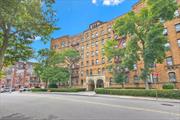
<point x="29" y="106"/>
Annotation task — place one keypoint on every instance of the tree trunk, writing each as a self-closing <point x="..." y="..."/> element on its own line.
<point x="4" y="46"/>
<point x="146" y="84"/>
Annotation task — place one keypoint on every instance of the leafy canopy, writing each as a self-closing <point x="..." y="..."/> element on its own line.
<point x="144" y="38"/>
<point x="22" y="21"/>
<point x="48" y="67"/>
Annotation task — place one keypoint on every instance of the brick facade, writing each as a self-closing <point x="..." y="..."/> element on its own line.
<point x="93" y="62"/>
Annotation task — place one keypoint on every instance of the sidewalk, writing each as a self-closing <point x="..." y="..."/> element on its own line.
<point x="93" y="94"/>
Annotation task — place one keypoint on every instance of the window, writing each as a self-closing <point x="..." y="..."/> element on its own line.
<point x="172" y="76"/>
<point x="109" y="28"/>
<point x="62" y="44"/>
<point x="82" y="56"/>
<point x="116" y="37"/>
<point x="92" y="53"/>
<point x="97" y="61"/>
<point x="165" y="31"/>
<point x="167" y="46"/>
<point x="97" y="52"/>
<point x="103" y="71"/>
<point x="82" y="39"/>
<point x="96" y="34"/>
<point x="136" y="78"/>
<point x="102" y="50"/>
<point x="91" y="72"/>
<point x="92" y="44"/>
<point x="102" y="32"/>
<point x="87" y="72"/>
<point x="82" y="48"/>
<point x="176" y="13"/>
<point x="135" y="66"/>
<point x="96" y="43"/>
<point x="123" y="42"/>
<point x="178" y="41"/>
<point x="81" y="73"/>
<point x="102" y="42"/>
<point x="177" y="27"/>
<point x="93" y="36"/>
<point x="92" y="62"/>
<point x="169" y="61"/>
<point x="81" y="82"/>
<point x="56" y="46"/>
<point x="87" y="45"/>
<point x="103" y="60"/>
<point x="99" y="71"/>
<point x="87" y="63"/>
<point x="87" y="54"/>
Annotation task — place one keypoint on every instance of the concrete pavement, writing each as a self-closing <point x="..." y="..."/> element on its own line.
<point x="92" y="93"/>
<point x="30" y="106"/>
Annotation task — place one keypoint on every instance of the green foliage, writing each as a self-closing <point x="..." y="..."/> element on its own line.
<point x="38" y="90"/>
<point x="21" y="21"/>
<point x="174" y="94"/>
<point x="144" y="38"/>
<point x="48" y="67"/>
<point x="52" y="85"/>
<point x="125" y="88"/>
<point x="1" y="74"/>
<point x="120" y="78"/>
<point x="169" y="86"/>
<point x="59" y="90"/>
<point x="55" y="74"/>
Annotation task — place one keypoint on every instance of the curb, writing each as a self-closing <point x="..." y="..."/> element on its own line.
<point x="113" y="96"/>
<point x="140" y="98"/>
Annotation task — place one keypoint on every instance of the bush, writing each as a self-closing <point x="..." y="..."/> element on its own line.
<point x="168" y="86"/>
<point x="126" y="88"/>
<point x="175" y="94"/>
<point x="38" y="90"/>
<point x="67" y="89"/>
<point x="58" y="90"/>
<point x="52" y="85"/>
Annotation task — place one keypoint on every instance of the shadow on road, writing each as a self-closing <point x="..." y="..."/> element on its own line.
<point x="18" y="116"/>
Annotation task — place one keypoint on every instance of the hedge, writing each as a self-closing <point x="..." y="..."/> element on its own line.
<point x="58" y="90"/>
<point x="168" y="86"/>
<point x="52" y="85"/>
<point x="126" y="88"/>
<point x="174" y="94"/>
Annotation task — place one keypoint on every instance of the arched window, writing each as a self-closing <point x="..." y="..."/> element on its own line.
<point x="172" y="76"/>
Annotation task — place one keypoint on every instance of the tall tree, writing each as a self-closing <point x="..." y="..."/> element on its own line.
<point x="21" y="21"/>
<point x="50" y="67"/>
<point x="145" y="40"/>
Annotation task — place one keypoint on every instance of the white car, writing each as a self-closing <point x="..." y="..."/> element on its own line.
<point x="23" y="89"/>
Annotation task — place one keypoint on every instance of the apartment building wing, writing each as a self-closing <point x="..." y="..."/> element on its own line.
<point x="93" y="63"/>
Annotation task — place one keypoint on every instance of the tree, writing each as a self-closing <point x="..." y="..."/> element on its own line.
<point x="145" y="41"/>
<point x="55" y="74"/>
<point x="120" y="78"/>
<point x="49" y="68"/>
<point x="21" y="21"/>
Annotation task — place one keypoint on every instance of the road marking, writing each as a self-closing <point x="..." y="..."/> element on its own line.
<point x="103" y="104"/>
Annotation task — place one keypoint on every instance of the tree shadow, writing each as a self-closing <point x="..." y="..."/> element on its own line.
<point x="18" y="116"/>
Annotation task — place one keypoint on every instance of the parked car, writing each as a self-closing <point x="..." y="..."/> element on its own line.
<point x="5" y="89"/>
<point x="22" y="89"/>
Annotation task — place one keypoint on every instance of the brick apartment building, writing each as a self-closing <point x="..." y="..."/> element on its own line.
<point x="20" y="74"/>
<point x="91" y="70"/>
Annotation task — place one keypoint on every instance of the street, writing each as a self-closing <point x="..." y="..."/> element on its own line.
<point x="31" y="106"/>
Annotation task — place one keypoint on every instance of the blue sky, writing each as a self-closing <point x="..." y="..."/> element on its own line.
<point x="76" y="15"/>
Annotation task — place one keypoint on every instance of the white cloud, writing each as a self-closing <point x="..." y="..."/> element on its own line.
<point x="112" y="2"/>
<point x="94" y="1"/>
